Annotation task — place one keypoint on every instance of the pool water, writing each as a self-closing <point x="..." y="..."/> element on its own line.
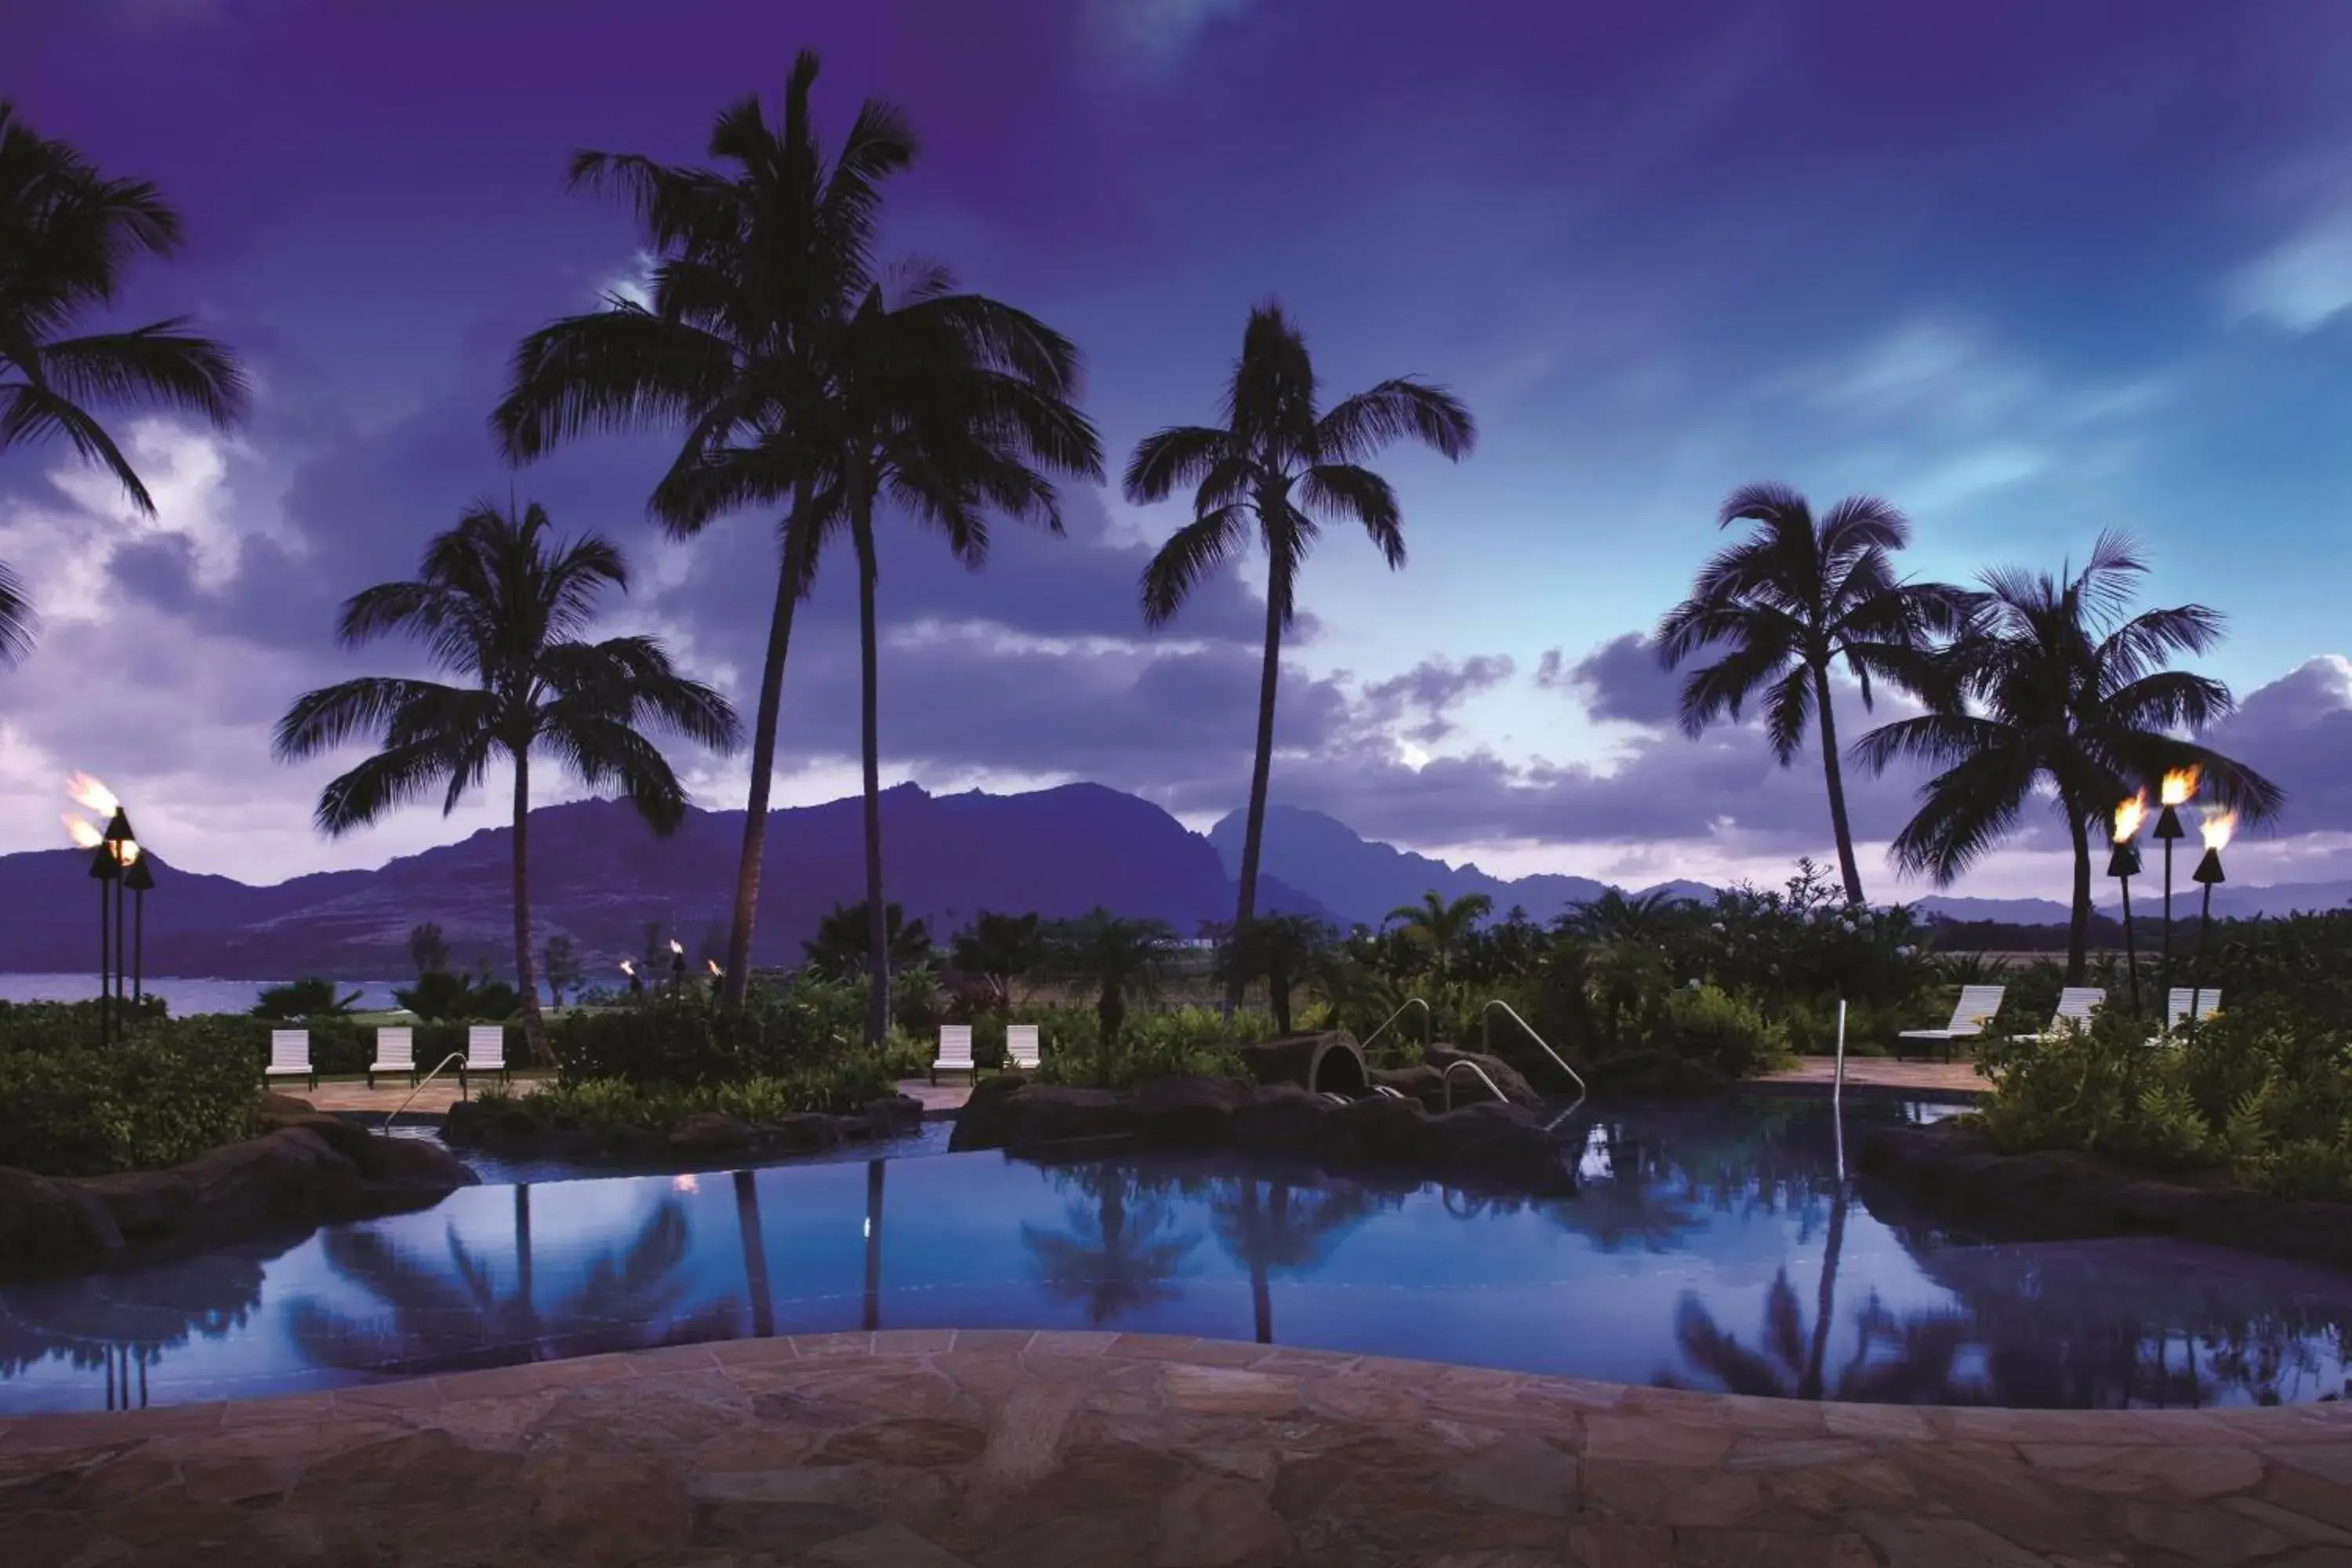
<point x="1712" y="1247"/>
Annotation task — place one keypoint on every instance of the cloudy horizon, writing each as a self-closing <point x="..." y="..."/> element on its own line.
<point x="2027" y="276"/>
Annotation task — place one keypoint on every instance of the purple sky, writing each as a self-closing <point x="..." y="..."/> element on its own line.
<point x="2028" y="271"/>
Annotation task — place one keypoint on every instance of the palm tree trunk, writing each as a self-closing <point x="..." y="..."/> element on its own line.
<point x="1825" y="1301"/>
<point x="1836" y="777"/>
<point x="534" y="1028"/>
<point x="763" y="751"/>
<point x="877" y="933"/>
<point x="1269" y="680"/>
<point x="522" y="1265"/>
<point x="872" y="1315"/>
<point x="1261" y="1295"/>
<point x="2078" y="926"/>
<point x="754" y="1237"/>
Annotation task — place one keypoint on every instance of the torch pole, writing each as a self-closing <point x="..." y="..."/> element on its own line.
<point x="2164" y="970"/>
<point x="122" y="955"/>
<point x="2131" y="948"/>
<point x="138" y="946"/>
<point x="105" y="968"/>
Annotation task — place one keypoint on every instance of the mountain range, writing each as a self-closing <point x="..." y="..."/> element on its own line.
<point x="602" y="878"/>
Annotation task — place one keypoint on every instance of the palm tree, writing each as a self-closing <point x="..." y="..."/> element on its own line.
<point x="1282" y="950"/>
<point x="757" y="269"/>
<point x="1785" y="604"/>
<point x="66" y="234"/>
<point x="838" y="951"/>
<point x="1113" y="958"/>
<point x="2055" y="690"/>
<point x="997" y="949"/>
<point x="1440" y="926"/>
<point x="500" y="605"/>
<point x="1617" y="917"/>
<point x="952" y="405"/>
<point x="1278" y="463"/>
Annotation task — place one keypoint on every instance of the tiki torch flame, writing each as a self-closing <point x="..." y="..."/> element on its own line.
<point x="84" y="833"/>
<point x="2129" y="815"/>
<point x="627" y="968"/>
<point x="2178" y="785"/>
<point x="676" y="945"/>
<point x="84" y="790"/>
<point x="2217" y="828"/>
<point x="715" y="970"/>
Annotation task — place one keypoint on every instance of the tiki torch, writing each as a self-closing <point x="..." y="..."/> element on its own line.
<point x="636" y="981"/>
<point x="677" y="965"/>
<point x="2215" y="830"/>
<point x="2123" y="864"/>
<point x="2175" y="791"/>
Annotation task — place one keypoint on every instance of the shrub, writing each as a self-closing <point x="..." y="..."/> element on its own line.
<point x="1727" y="1032"/>
<point x="310" y="998"/>
<point x="839" y="1086"/>
<point x="683" y="1039"/>
<point x="166" y="1092"/>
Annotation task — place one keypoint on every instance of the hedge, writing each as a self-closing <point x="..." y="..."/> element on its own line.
<point x="166" y="1092"/>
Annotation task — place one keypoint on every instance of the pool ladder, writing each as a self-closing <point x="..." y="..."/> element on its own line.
<point x="421" y="1084"/>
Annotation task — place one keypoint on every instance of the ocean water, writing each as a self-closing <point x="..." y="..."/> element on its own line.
<point x="184" y="995"/>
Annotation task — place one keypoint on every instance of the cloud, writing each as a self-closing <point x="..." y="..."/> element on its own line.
<point x="1620" y="681"/>
<point x="2297" y="731"/>
<point x="2300" y="284"/>
<point x="1157" y="30"/>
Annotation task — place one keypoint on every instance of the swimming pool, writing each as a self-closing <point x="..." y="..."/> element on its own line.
<point x="1709" y="1248"/>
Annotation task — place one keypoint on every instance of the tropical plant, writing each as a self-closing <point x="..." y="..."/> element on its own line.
<point x="754" y="269"/>
<point x="1618" y="917"/>
<point x="1282" y="951"/>
<point x="997" y="949"/>
<point x="2055" y="690"/>
<point x="66" y="233"/>
<point x="839" y="950"/>
<point x="563" y="968"/>
<point x="1786" y="604"/>
<point x="310" y="998"/>
<point x="428" y="949"/>
<point x="1280" y="465"/>
<point x="1114" y="958"/>
<point x="497" y="603"/>
<point x="439" y="994"/>
<point x="1441" y="926"/>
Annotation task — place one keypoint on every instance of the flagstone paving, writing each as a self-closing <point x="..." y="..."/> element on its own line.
<point x="994" y="1449"/>
<point x="1885" y="1072"/>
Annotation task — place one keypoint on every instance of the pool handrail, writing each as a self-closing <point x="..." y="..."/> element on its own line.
<point x="1445" y="1080"/>
<point x="1428" y="1023"/>
<point x="1486" y="1040"/>
<point x="391" y="1116"/>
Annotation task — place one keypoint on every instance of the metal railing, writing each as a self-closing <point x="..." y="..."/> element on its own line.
<point x="1463" y="1063"/>
<point x="1428" y="1023"/>
<point x="457" y="1056"/>
<point x="1486" y="1040"/>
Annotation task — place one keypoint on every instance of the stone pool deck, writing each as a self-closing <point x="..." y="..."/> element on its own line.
<point x="1883" y="1072"/>
<point x="997" y="1449"/>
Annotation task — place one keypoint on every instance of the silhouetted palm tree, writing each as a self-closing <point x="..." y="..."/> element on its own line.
<point x="1279" y="465"/>
<point x="839" y="950"/>
<point x="66" y="233"/>
<point x="1786" y="604"/>
<point x="999" y="949"/>
<point x="497" y="603"/>
<point x="756" y="271"/>
<point x="1440" y="926"/>
<point x="1111" y="1260"/>
<point x="952" y="407"/>
<point x="1618" y="917"/>
<point x="1114" y="958"/>
<point x="2054" y="685"/>
<point x="1281" y="950"/>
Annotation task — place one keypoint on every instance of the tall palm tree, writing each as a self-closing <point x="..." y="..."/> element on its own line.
<point x="498" y="604"/>
<point x="757" y="269"/>
<point x="1282" y="950"/>
<point x="1785" y="604"/>
<point x="1113" y="958"/>
<point x="1278" y="464"/>
<point x="66" y="233"/>
<point x="1440" y="926"/>
<point x="2054" y="690"/>
<point x="952" y="407"/>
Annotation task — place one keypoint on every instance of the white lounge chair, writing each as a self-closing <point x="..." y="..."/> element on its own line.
<point x="1977" y="1004"/>
<point x="955" y="1052"/>
<point x="1021" y="1047"/>
<point x="2075" y="1005"/>
<point x="2186" y="1005"/>
<point x="290" y="1056"/>
<point x="486" y="1052"/>
<point x="395" y="1051"/>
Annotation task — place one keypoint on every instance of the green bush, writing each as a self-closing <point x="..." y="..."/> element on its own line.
<point x="1728" y="1032"/>
<point x="166" y="1092"/>
<point x="682" y="1038"/>
<point x="2258" y="1089"/>
<point x="63" y="1025"/>
<point x="839" y="1086"/>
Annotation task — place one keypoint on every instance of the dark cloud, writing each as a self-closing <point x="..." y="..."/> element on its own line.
<point x="2297" y="731"/>
<point x="1622" y="680"/>
<point x="1433" y="688"/>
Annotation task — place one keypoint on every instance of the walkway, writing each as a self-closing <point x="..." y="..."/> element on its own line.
<point x="930" y="1449"/>
<point x="1885" y="1072"/>
<point x="354" y="1094"/>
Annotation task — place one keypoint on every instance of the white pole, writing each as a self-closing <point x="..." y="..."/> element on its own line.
<point x="1837" y="1093"/>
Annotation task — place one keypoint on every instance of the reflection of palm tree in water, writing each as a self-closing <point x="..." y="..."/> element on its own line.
<point x="1633" y="1201"/>
<point x="1111" y="1260"/>
<point x="452" y="1319"/>
<point x="122" y="1323"/>
<point x="1287" y="1228"/>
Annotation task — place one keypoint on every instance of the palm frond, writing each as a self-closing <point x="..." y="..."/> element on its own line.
<point x="1167" y="460"/>
<point x="1190" y="554"/>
